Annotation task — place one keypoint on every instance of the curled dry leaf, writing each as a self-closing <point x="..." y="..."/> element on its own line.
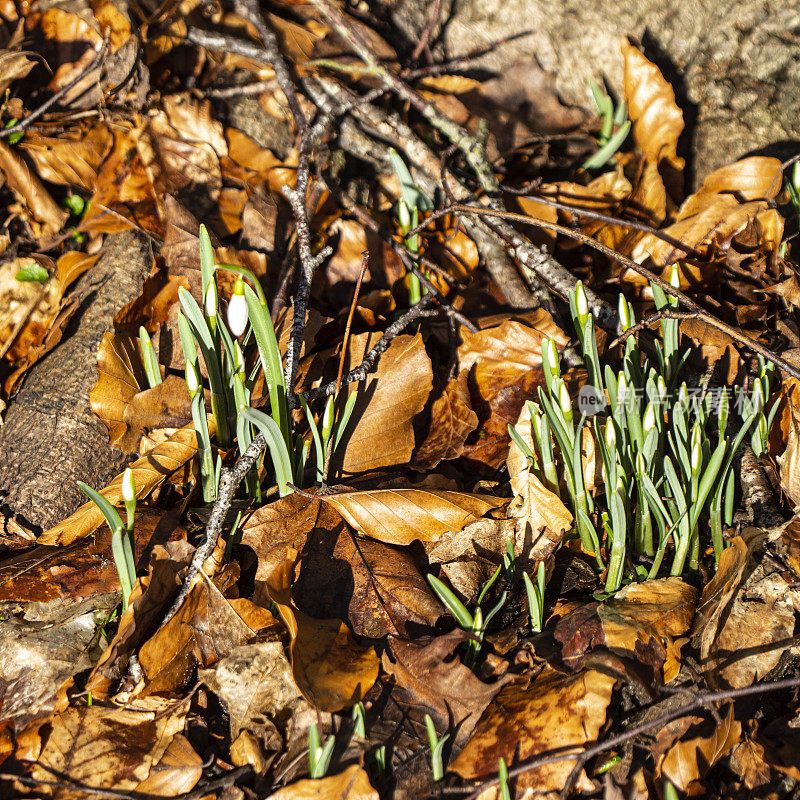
<point x="533" y="501"/>
<point x="110" y="748"/>
<point x="352" y="784"/>
<point x="790" y="459"/>
<point x="177" y="772"/>
<point x="13" y="65"/>
<point x="525" y="719"/>
<point x="30" y="191"/>
<point x="504" y="361"/>
<point x="652" y="107"/>
<point x="689" y="760"/>
<point x="148" y="472"/>
<point x="745" y="620"/>
<point x="401" y="516"/>
<point x="331" y="670"/>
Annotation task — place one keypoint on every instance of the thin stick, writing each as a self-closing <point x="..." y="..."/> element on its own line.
<point x="687" y="301"/>
<point x="656" y="316"/>
<point x="700" y="701"/>
<point x="425" y="39"/>
<point x="51" y="101"/>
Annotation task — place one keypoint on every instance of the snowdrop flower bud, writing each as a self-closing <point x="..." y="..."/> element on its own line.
<point x="675" y="277"/>
<point x="757" y="400"/>
<point x="404" y="215"/>
<point x="564" y="400"/>
<point x="212" y="304"/>
<point x="697" y="447"/>
<point x="649" y="422"/>
<point x="237" y="309"/>
<point x="625" y="315"/>
<point x="611" y="437"/>
<point x="622" y="390"/>
<point x="550" y="358"/>
<point x="581" y="303"/>
<point x="192" y="379"/>
<point x="128" y="486"/>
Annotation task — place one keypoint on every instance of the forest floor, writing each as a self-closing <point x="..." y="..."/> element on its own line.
<point x="414" y="506"/>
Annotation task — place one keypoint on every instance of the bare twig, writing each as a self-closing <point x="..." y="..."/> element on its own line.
<point x="656" y="316"/>
<point x="51" y="101"/>
<point x="700" y="701"/>
<point x="360" y="372"/>
<point x="687" y="301"/>
<point x="425" y="39"/>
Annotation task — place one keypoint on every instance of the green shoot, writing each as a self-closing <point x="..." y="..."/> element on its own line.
<point x="319" y="755"/>
<point x="436" y="747"/>
<point x="149" y="359"/>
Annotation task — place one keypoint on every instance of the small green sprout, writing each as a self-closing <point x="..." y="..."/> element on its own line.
<point x="436" y="746"/>
<point x="121" y="535"/>
<point x="32" y="273"/>
<point x="319" y="755"/>
<point x="75" y="204"/>
<point x="476" y="623"/>
<point x="359" y="720"/>
<point x="502" y="779"/>
<point x="535" y="594"/>
<point x="608" y="140"/>
<point x="149" y="358"/>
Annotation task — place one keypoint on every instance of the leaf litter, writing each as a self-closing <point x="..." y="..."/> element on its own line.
<point x="318" y="613"/>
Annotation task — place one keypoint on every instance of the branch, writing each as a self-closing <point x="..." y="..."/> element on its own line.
<point x="700" y="701"/>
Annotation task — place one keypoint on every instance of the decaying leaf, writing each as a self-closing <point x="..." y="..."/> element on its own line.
<point x="352" y="784"/>
<point x="554" y="711"/>
<point x="691" y="758"/>
<point x="331" y="670"/>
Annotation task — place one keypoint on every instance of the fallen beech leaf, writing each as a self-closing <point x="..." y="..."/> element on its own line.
<point x="745" y="619"/>
<point x="110" y="747"/>
<point x="148" y="472"/>
<point x="661" y="609"/>
<point x="658" y="122"/>
<point x="689" y="760"/>
<point x="429" y="681"/>
<point x="40" y="654"/>
<point x="31" y="192"/>
<point x="256" y="685"/>
<point x="177" y="772"/>
<point x="452" y="421"/>
<point x="375" y="587"/>
<point x="533" y="501"/>
<point x="381" y="432"/>
<point x="790" y="460"/>
<point x="120" y="377"/>
<point x="70" y="160"/>
<point x="352" y="784"/>
<point x="13" y="65"/>
<point x="401" y="516"/>
<point x="524" y="720"/>
<point x="505" y="363"/>
<point x="331" y="670"/>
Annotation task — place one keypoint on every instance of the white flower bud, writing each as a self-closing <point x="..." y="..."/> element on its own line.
<point x="622" y="389"/>
<point x="757" y="400"/>
<point x="581" y="303"/>
<point x="404" y="215"/>
<point x="192" y="379"/>
<point x="649" y="422"/>
<point x="611" y="436"/>
<point x="237" y="309"/>
<point x="212" y="301"/>
<point x="564" y="399"/>
<point x="128" y="486"/>
<point x="625" y="315"/>
<point x="695" y="456"/>
<point x="675" y="277"/>
<point x="550" y="357"/>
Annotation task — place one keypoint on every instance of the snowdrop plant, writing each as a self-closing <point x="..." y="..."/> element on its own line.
<point x="122" y="541"/>
<point x="664" y="470"/>
<point x="436" y="747"/>
<point x="319" y="755"/>
<point x="608" y="140"/>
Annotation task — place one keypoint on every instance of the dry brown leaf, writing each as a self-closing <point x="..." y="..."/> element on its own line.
<point x="381" y="431"/>
<point x="148" y="472"/>
<point x="689" y="760"/>
<point x="658" y="122"/>
<point x="533" y="501"/>
<point x="452" y="421"/>
<point x="107" y="747"/>
<point x="70" y="160"/>
<point x="401" y="516"/>
<point x="429" y="681"/>
<point x="30" y="191"/>
<point x="352" y="784"/>
<point x="27" y="309"/>
<point x="13" y="65"/>
<point x="375" y="587"/>
<point x="524" y="720"/>
<point x="177" y="772"/>
<point x="660" y="609"/>
<point x="790" y="460"/>
<point x="331" y="670"/>
<point x="745" y="619"/>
